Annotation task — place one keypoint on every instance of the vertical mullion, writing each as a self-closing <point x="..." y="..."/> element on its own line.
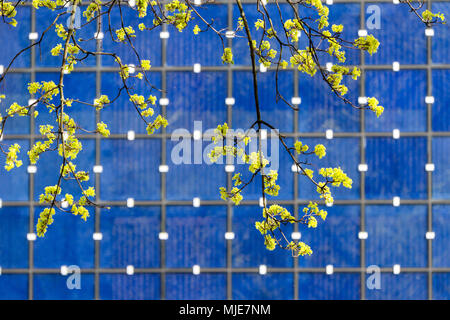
<point x="98" y="88"/>
<point x="362" y="148"/>
<point x="229" y="181"/>
<point x="163" y="161"/>
<point x="31" y="176"/>
<point x="429" y="160"/>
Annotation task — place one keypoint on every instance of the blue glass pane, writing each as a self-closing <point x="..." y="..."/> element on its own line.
<point x="84" y="115"/>
<point x="193" y="287"/>
<point x="441" y="181"/>
<point x="13" y="287"/>
<point x="240" y="45"/>
<point x="186" y="181"/>
<point x="60" y="247"/>
<point x="196" y="97"/>
<point x="84" y="36"/>
<point x="335" y="240"/>
<point x="278" y="115"/>
<point x="125" y="287"/>
<point x="342" y="152"/>
<point x="14" y="87"/>
<point x="185" y="48"/>
<point x="405" y="286"/>
<point x="404" y="108"/>
<point x="441" y="250"/>
<point x="396" y="236"/>
<point x="440" y="111"/>
<point x="130" y="169"/>
<point x="14" y="183"/>
<point x="130" y="237"/>
<point x="16" y="39"/>
<point x="13" y="241"/>
<point x="121" y="115"/>
<point x="321" y="109"/>
<point x="54" y="287"/>
<point x="50" y="163"/>
<point x="404" y="42"/>
<point x="387" y="161"/>
<point x="196" y="236"/>
<point x="274" y="286"/>
<point x="441" y="286"/>
<point x="346" y="14"/>
<point x="319" y="286"/>
<point x="146" y="43"/>
<point x="248" y="246"/>
<point x="441" y="40"/>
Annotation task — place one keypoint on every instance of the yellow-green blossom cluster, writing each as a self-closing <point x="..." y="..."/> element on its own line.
<point x="373" y="105"/>
<point x="11" y="157"/>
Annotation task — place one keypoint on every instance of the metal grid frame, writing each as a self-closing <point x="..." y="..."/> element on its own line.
<point x="163" y="203"/>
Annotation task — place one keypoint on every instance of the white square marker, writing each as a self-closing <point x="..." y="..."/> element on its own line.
<point x="2" y="69"/>
<point x="132" y="3"/>
<point x="164" y="101"/>
<point x="229" y="235"/>
<point x="0" y="271"/>
<point x="33" y="36"/>
<point x="396" y="201"/>
<point x="264" y="2"/>
<point x="230" y="101"/>
<point x="31" y="169"/>
<point x="164" y="168"/>
<point x="97" y="236"/>
<point x="261" y="202"/>
<point x="31" y="236"/>
<point x="329" y="66"/>
<point x="229" y="168"/>
<point x="164" y="35"/>
<point x="64" y="270"/>
<point x="429" y="32"/>
<point x="64" y="204"/>
<point x="362" y="167"/>
<point x="131" y="135"/>
<point x="163" y="236"/>
<point x="396" y="269"/>
<point x="98" y="169"/>
<point x="99" y="36"/>
<point x="296" y="235"/>
<point x="396" y="66"/>
<point x="295" y="168"/>
<point x="262" y="269"/>
<point x="196" y="269"/>
<point x="130" y="270"/>
<point x="130" y="202"/>
<point x="362" y="100"/>
<point x="131" y="68"/>
<point x="430" y="235"/>
<point x="197" y="67"/>
<point x="1" y="203"/>
<point x="196" y="202"/>
<point x="395" y="1"/>
<point x="329" y="204"/>
<point x="197" y="2"/>
<point x="263" y="134"/>
<point x="329" y="134"/>
<point x="363" y="235"/>
<point x="296" y="100"/>
<point x="31" y="101"/>
<point x="362" y="33"/>
<point x="262" y="67"/>
<point x="429" y="99"/>
<point x="197" y="135"/>
<point x="429" y="167"/>
<point x="396" y="134"/>
<point x="230" y="34"/>
<point x="329" y="2"/>
<point x="329" y="269"/>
